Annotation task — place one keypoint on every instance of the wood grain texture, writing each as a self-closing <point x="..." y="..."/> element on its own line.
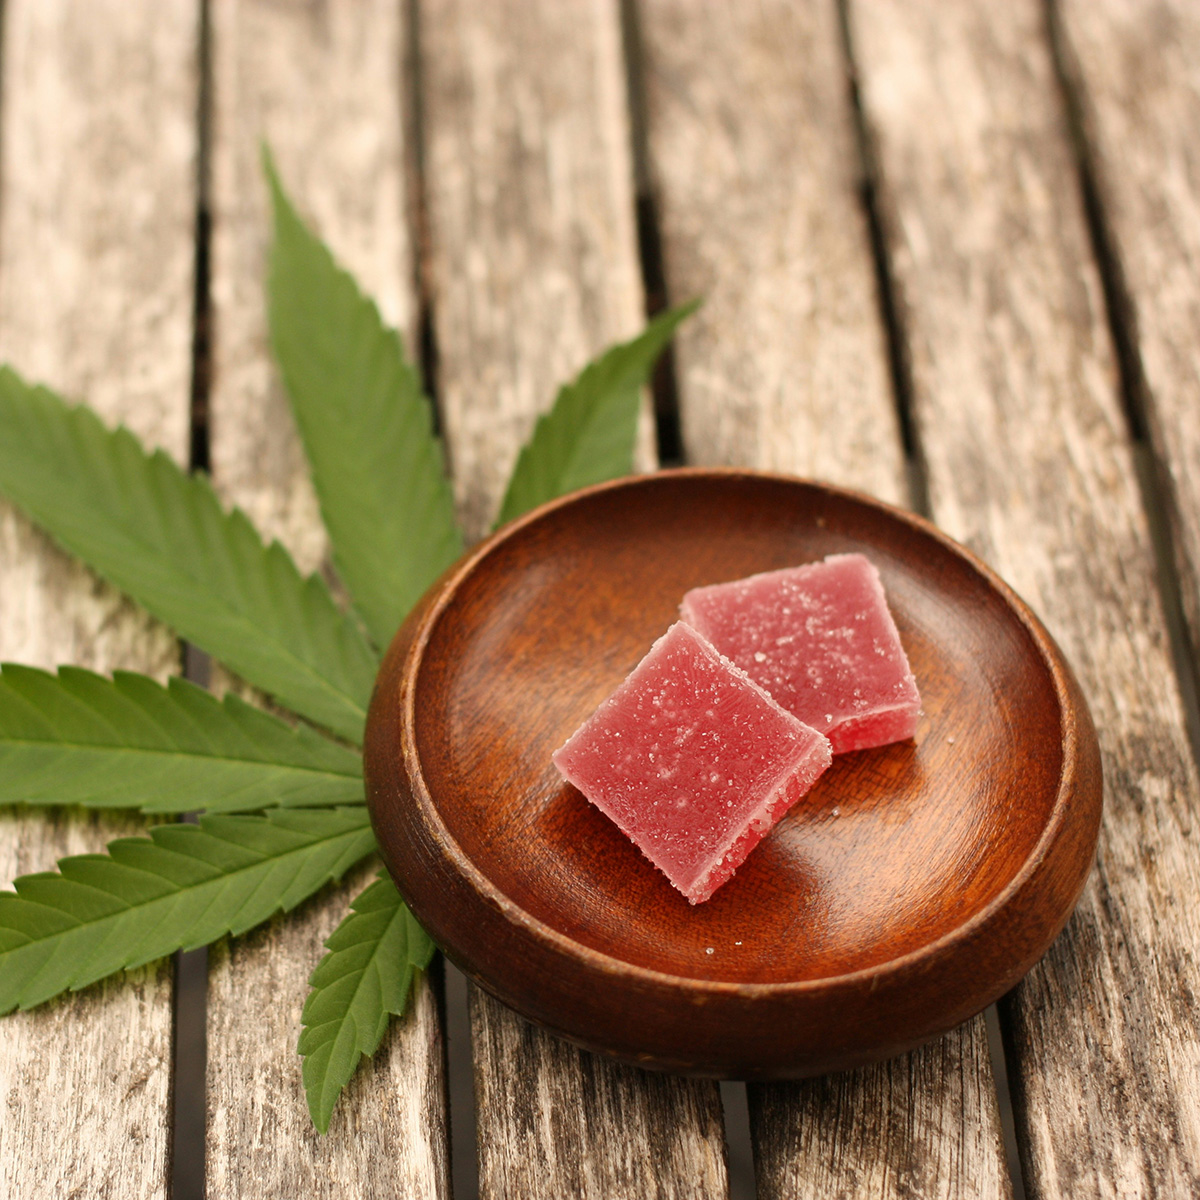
<point x="323" y="84"/>
<point x="533" y="268"/>
<point x="785" y="368"/>
<point x="755" y="169"/>
<point x="1135" y="71"/>
<point x="924" y="1124"/>
<point x="1029" y="463"/>
<point x="581" y="1125"/>
<point x="388" y="1133"/>
<point x="529" y="188"/>
<point x="97" y="204"/>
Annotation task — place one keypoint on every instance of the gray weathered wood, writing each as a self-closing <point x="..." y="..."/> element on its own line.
<point x="785" y="368"/>
<point x="1029" y="464"/>
<point x="557" y="1121"/>
<point x="533" y="267"/>
<point x="528" y="177"/>
<point x="323" y="83"/>
<point x="388" y="1135"/>
<point x="1136" y="71"/>
<point x="924" y="1124"/>
<point x="97" y="196"/>
<point x="754" y="165"/>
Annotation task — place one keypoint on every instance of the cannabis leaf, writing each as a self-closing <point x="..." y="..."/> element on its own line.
<point x="161" y="536"/>
<point x="588" y="436"/>
<point x="365" y="977"/>
<point x="366" y="427"/>
<point x="128" y="742"/>
<point x="183" y="886"/>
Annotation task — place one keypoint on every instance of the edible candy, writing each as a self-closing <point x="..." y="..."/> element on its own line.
<point x="693" y="760"/>
<point x="821" y="641"/>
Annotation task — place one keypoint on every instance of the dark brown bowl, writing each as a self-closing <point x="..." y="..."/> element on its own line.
<point x="915" y="883"/>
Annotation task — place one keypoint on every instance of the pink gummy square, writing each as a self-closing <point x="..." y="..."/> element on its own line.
<point x="821" y="641"/>
<point x="693" y="761"/>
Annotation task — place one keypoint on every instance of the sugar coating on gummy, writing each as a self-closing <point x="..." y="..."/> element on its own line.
<point x="821" y="640"/>
<point x="693" y="761"/>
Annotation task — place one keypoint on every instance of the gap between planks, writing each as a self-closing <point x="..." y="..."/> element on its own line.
<point x="189" y="1050"/>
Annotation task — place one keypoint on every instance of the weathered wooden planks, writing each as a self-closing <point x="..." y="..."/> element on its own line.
<point x="1016" y="415"/>
<point x="1029" y="463"/>
<point x="1135" y="71"/>
<point x="533" y="268"/>
<point x="97" y="207"/>
<point x="754" y="161"/>
<point x="324" y="84"/>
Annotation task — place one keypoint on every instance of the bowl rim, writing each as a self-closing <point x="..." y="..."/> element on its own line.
<point x="558" y="942"/>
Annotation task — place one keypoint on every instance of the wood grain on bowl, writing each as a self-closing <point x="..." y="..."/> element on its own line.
<point x="910" y="888"/>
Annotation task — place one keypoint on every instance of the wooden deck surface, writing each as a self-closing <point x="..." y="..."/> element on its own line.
<point x="950" y="256"/>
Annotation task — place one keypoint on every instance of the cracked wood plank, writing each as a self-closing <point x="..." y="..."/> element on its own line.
<point x="533" y="268"/>
<point x="1030" y="464"/>
<point x="786" y="368"/>
<point x="324" y="85"/>
<point x="97" y="210"/>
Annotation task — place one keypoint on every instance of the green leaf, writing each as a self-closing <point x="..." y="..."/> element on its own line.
<point x="365" y="424"/>
<point x="128" y="742"/>
<point x="161" y="536"/>
<point x="588" y="436"/>
<point x="367" y="975"/>
<point x="182" y="887"/>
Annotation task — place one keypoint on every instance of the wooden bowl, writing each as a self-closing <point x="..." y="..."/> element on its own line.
<point x="914" y="885"/>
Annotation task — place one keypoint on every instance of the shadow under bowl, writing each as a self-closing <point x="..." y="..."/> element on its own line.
<point x="909" y="889"/>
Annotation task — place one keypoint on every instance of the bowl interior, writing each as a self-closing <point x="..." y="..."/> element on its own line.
<point x="892" y="849"/>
